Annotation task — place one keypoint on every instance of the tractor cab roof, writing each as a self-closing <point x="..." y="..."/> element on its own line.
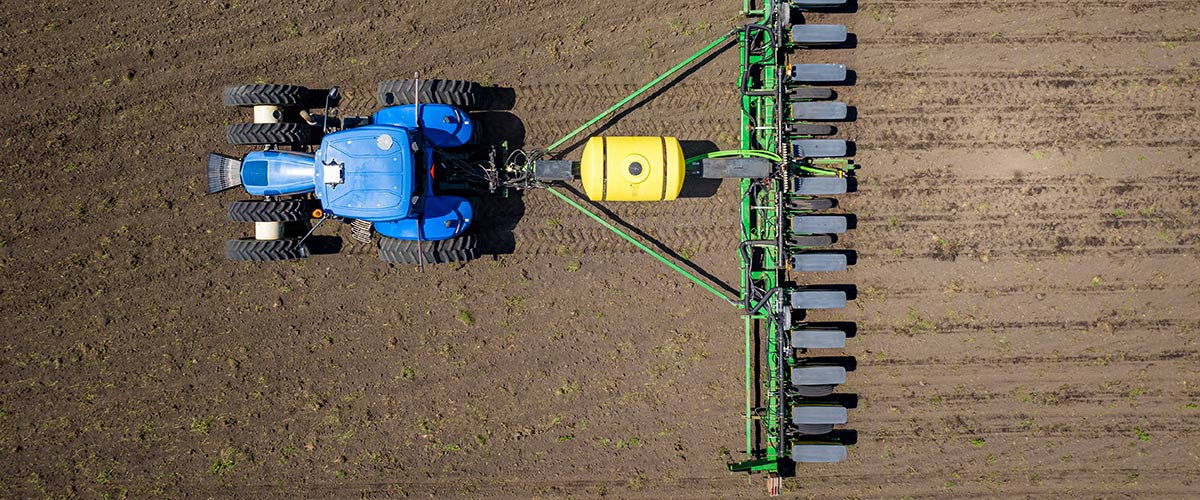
<point x="366" y="173"/>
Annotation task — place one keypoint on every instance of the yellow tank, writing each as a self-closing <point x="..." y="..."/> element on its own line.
<point x="632" y="168"/>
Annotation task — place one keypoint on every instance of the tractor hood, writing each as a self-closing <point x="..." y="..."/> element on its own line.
<point x="366" y="173"/>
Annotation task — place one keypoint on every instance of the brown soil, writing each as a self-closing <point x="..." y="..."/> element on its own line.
<point x="1027" y="276"/>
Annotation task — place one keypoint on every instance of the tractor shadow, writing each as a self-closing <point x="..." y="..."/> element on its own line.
<point x="317" y="244"/>
<point x="497" y="214"/>
<point x="695" y="185"/>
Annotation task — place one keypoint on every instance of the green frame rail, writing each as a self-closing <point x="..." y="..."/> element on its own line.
<point x="763" y="49"/>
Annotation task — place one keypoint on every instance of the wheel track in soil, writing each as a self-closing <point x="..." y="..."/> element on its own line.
<point x="1176" y="355"/>
<point x="911" y="38"/>
<point x="1123" y="427"/>
<point x="896" y="93"/>
<point x="583" y="241"/>
<point x="917" y="78"/>
<point x="1075" y="325"/>
<point x="977" y="399"/>
<point x="922" y="110"/>
<point x="974" y="399"/>
<point x="970" y="128"/>
<point x="1062" y="397"/>
<point x="549" y="110"/>
<point x="1006" y="5"/>
<point x="1074" y="216"/>
<point x="1003" y="291"/>
<point x="584" y="96"/>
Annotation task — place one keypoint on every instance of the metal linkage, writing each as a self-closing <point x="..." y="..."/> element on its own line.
<point x="789" y="411"/>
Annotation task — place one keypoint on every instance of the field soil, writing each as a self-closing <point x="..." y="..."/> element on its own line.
<point x="1028" y="300"/>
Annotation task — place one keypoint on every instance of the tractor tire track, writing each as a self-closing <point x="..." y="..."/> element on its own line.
<point x="1009" y="5"/>
<point x="911" y="38"/>
<point x="587" y="96"/>
<point x="1074" y="215"/>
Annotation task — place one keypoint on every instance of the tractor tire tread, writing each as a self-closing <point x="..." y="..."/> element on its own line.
<point x="270" y="210"/>
<point x="460" y="249"/>
<point x="252" y="250"/>
<point x="266" y="94"/>
<point x="241" y="134"/>
<point x="464" y="94"/>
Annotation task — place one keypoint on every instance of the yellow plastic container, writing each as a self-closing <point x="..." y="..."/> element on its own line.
<point x="632" y="168"/>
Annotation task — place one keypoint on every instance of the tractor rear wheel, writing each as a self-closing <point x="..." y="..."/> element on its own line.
<point x="266" y="94"/>
<point x="459" y="93"/>
<point x="460" y="249"/>
<point x="270" y="211"/>
<point x="259" y="134"/>
<point x="250" y="249"/>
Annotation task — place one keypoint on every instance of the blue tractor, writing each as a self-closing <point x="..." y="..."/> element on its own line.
<point x="398" y="173"/>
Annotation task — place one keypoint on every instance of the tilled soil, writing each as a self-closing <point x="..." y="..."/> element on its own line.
<point x="1027" y="277"/>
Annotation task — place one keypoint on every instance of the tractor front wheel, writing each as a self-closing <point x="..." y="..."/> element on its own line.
<point x="267" y="94"/>
<point x="253" y="250"/>
<point x="270" y="210"/>
<point x="257" y="134"/>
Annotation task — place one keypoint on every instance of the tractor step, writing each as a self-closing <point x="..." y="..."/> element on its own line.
<point x="819" y="262"/>
<point x="362" y="230"/>
<point x="818" y="338"/>
<point x="818" y="415"/>
<point x="818" y="453"/>
<point x="819" y="186"/>
<point x="819" y="110"/>
<point x="818" y="73"/>
<point x="735" y="168"/>
<point x="819" y="34"/>
<point x="817" y="4"/>
<point x="819" y="224"/>
<point x="819" y="148"/>
<point x="818" y="375"/>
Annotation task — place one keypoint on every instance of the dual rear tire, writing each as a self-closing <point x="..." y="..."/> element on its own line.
<point x="268" y="212"/>
<point x="282" y="104"/>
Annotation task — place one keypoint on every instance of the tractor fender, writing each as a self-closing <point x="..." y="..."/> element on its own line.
<point x="442" y="218"/>
<point x="443" y="125"/>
